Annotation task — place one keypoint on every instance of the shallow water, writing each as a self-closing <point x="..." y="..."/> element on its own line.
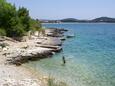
<point x="90" y="56"/>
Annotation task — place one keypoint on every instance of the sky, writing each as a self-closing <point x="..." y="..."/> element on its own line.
<point x="59" y="9"/>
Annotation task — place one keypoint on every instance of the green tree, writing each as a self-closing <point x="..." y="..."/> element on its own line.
<point x="23" y="14"/>
<point x="35" y="25"/>
<point x="16" y="28"/>
<point x="15" y="23"/>
<point x="9" y="20"/>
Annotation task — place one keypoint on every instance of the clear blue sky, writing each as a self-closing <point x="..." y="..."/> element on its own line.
<point x="58" y="9"/>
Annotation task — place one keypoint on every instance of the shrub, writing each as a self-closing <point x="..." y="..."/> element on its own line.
<point x="15" y="23"/>
<point x="2" y="32"/>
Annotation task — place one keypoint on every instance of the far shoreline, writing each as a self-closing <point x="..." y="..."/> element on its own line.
<point x="79" y="23"/>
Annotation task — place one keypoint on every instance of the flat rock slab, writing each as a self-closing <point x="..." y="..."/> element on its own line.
<point x="52" y="41"/>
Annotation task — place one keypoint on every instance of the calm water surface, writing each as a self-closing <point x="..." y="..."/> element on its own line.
<point x="90" y="56"/>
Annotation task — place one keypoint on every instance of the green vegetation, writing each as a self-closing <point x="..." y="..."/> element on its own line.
<point x="52" y="82"/>
<point x="2" y="32"/>
<point x="16" y="22"/>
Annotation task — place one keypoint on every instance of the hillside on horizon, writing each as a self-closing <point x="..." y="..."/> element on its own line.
<point x="96" y="20"/>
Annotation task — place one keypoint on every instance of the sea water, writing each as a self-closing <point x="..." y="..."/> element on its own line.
<point x="90" y="56"/>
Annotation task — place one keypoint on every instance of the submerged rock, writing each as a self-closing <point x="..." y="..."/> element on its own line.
<point x="62" y="38"/>
<point x="70" y="35"/>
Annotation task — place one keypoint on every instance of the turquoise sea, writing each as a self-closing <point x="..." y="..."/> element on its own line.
<point x="90" y="56"/>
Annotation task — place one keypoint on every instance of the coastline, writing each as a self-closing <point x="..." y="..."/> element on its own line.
<point x="80" y="23"/>
<point x="16" y="53"/>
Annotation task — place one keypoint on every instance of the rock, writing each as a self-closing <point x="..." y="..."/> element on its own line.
<point x="62" y="38"/>
<point x="2" y="44"/>
<point x="34" y="49"/>
<point x="70" y="35"/>
<point x="18" y="64"/>
<point x="5" y="49"/>
<point x="4" y="38"/>
<point x="1" y="39"/>
<point x="0" y="48"/>
<point x="63" y="30"/>
<point x="54" y="32"/>
<point x="54" y="41"/>
<point x="29" y="54"/>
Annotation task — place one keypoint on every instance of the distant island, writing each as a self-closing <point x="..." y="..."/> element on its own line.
<point x="73" y="20"/>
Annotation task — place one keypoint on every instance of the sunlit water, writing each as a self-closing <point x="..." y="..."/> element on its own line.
<point x="90" y="56"/>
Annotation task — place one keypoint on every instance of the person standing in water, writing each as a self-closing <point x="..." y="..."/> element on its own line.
<point x="63" y="59"/>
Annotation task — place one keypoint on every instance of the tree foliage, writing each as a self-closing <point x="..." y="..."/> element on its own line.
<point x="15" y="23"/>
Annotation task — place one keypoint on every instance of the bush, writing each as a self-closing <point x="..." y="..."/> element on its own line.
<point x="15" y="23"/>
<point x="2" y="32"/>
<point x="16" y="31"/>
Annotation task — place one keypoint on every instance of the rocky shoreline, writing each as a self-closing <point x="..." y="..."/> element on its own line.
<point x="35" y="48"/>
